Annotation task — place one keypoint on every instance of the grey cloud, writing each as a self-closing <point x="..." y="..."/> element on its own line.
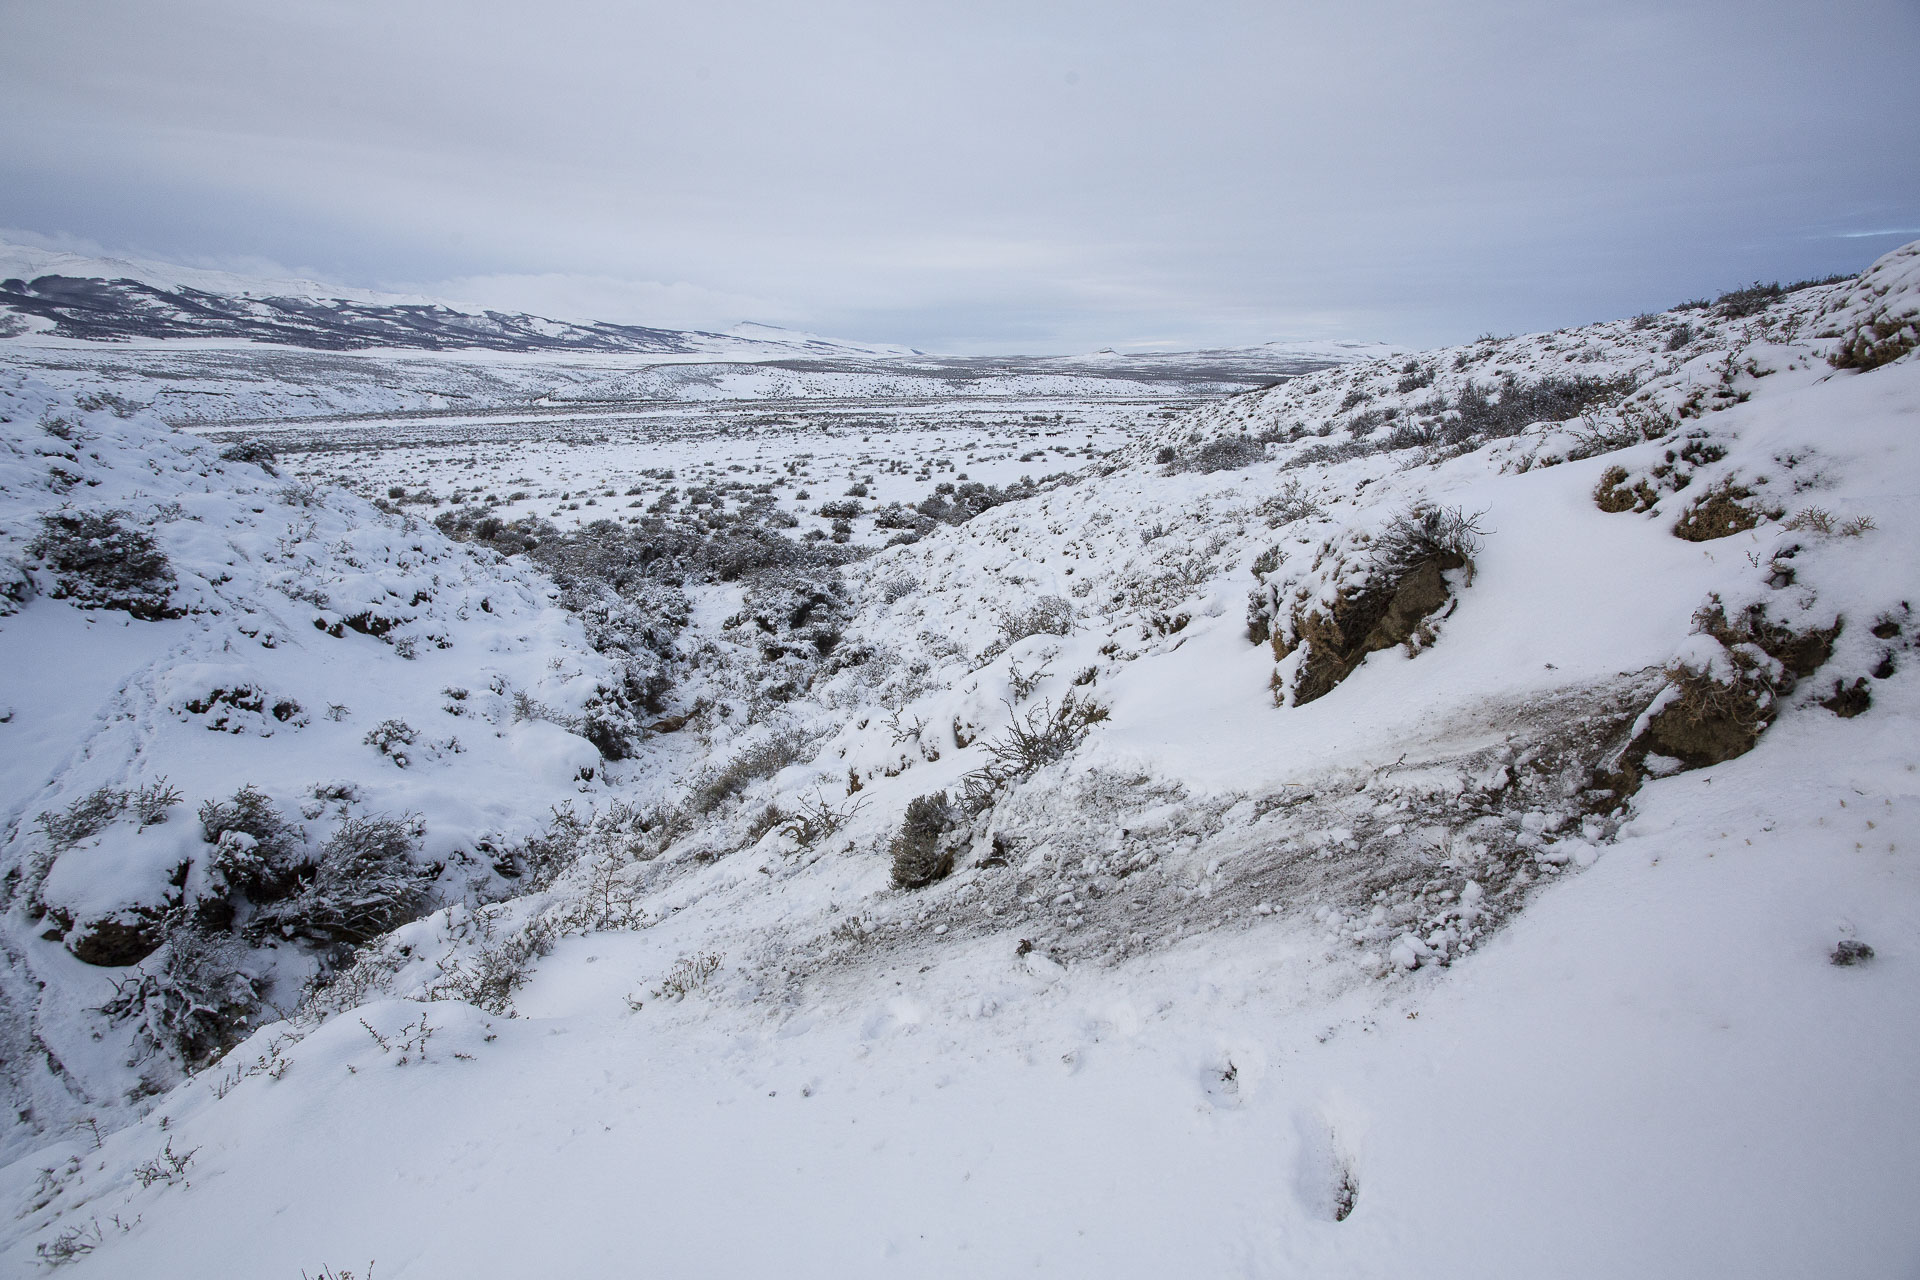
<point x="984" y="175"/>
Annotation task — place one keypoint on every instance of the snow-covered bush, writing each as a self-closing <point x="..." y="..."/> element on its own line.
<point x="1031" y="741"/>
<point x="957" y="503"/>
<point x="1424" y="533"/>
<point x="257" y="852"/>
<point x="750" y="764"/>
<point x="193" y="998"/>
<point x="1046" y="616"/>
<point x="364" y="883"/>
<point x="897" y="587"/>
<point x="393" y="739"/>
<point x="1227" y="453"/>
<point x="152" y="803"/>
<point x="1877" y="319"/>
<point x="1365" y="591"/>
<point x="1514" y="405"/>
<point x="921" y="853"/>
<point x="688" y="975"/>
<point x="258" y="452"/>
<point x="87" y="816"/>
<point x="1709" y="713"/>
<point x="1726" y="509"/>
<point x="1738" y="304"/>
<point x="479" y="524"/>
<point x="99" y="562"/>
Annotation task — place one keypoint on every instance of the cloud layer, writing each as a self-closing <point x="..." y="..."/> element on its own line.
<point x="981" y="176"/>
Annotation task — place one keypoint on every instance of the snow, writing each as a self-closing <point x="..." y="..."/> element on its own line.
<point x="1369" y="985"/>
<point x="28" y="262"/>
<point x="551" y="754"/>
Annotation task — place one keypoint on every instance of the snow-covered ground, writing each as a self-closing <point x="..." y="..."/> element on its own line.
<point x="1410" y="819"/>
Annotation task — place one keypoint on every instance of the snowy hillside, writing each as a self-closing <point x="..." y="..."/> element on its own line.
<point x="181" y="625"/>
<point x="1452" y="813"/>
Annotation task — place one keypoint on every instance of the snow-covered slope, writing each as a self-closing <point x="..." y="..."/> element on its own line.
<point x="182" y="625"/>
<point x="1452" y="815"/>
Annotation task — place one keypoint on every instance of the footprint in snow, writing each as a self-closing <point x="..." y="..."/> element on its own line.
<point x="1326" y="1180"/>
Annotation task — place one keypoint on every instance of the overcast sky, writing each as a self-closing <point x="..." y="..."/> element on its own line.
<point x="981" y="176"/>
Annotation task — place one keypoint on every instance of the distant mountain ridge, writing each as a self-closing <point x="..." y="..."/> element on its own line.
<point x="58" y="294"/>
<point x="117" y="310"/>
<point x="91" y="299"/>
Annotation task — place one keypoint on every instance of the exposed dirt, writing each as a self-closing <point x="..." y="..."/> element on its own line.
<point x="1387" y="611"/>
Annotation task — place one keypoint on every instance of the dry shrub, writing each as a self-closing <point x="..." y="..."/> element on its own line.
<point x="1033" y="740"/>
<point x="1708" y="720"/>
<point x="1405" y="587"/>
<point x="1879" y="339"/>
<point x="1723" y="511"/>
<point x="193" y="1001"/>
<point x="747" y="766"/>
<point x="1799" y="653"/>
<point x="1426" y="534"/>
<point x="1613" y="495"/>
<point x="688" y="975"/>
<point x="86" y="817"/>
<point x="1049" y="616"/>
<point x="364" y="885"/>
<point x="922" y="853"/>
<point x="258" y="852"/>
<point x="99" y="563"/>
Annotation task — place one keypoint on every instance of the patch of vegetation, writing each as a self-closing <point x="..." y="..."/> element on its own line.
<point x="1613" y="494"/>
<point x="627" y="584"/>
<point x="1413" y="376"/>
<point x="1879" y="339"/>
<point x="83" y="818"/>
<point x="364" y="883"/>
<point x="688" y="975"/>
<point x="1728" y="508"/>
<point x="193" y="999"/>
<point x="258" y="452"/>
<point x="957" y="503"/>
<point x="1799" y="653"/>
<point x="1033" y="740"/>
<point x="921" y="850"/>
<point x="1514" y="406"/>
<point x="1707" y="719"/>
<point x="1224" y="453"/>
<point x="1738" y="304"/>
<point x="1046" y="616"/>
<point x="258" y="854"/>
<point x="101" y="563"/>
<point x="1429" y="534"/>
<point x="722" y="783"/>
<point x="393" y="739"/>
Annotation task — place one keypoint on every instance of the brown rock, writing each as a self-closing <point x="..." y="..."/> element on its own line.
<point x="114" y="941"/>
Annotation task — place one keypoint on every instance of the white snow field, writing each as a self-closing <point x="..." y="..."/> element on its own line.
<point x="1450" y="814"/>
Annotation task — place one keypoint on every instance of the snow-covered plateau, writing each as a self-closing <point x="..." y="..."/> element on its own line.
<point x="843" y="812"/>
